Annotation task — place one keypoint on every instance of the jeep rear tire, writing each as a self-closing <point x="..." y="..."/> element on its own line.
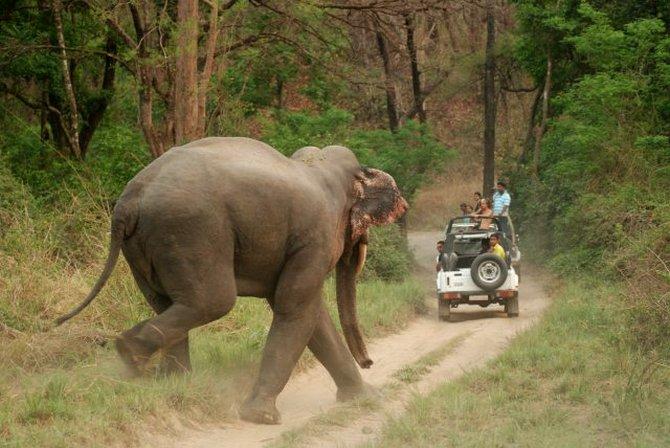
<point x="488" y="271"/>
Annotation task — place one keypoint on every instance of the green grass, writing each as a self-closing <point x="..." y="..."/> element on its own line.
<point x="79" y="396"/>
<point x="414" y="372"/>
<point x="573" y="380"/>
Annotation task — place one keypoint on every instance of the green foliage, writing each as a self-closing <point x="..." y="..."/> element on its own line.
<point x="409" y="154"/>
<point x="389" y="257"/>
<point x="30" y="66"/>
<point x="603" y="189"/>
<point x="117" y="154"/>
<point x="290" y="131"/>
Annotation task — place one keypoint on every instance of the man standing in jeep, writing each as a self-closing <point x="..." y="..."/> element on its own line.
<point x="501" y="199"/>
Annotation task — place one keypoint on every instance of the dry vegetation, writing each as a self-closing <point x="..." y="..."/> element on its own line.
<point x="461" y="122"/>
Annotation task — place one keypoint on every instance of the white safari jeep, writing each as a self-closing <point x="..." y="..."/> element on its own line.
<point x="471" y="275"/>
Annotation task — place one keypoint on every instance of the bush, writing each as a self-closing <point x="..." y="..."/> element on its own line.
<point x="389" y="257"/>
<point x="409" y="155"/>
<point x="600" y="203"/>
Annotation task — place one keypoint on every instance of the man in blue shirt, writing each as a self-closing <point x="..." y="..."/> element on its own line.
<point x="501" y="199"/>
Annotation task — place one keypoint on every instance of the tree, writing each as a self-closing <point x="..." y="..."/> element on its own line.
<point x="542" y="127"/>
<point x="171" y="55"/>
<point x="63" y="74"/>
<point x="389" y="85"/>
<point x="417" y="91"/>
<point x="489" y="100"/>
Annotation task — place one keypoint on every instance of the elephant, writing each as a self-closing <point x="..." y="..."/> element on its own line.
<point x="223" y="217"/>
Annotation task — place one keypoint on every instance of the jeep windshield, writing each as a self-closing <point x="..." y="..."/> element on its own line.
<point x="467" y="224"/>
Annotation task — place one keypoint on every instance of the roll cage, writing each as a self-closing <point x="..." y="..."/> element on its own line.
<point x="465" y="240"/>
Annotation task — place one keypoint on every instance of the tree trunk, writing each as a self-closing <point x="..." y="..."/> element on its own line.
<point x="186" y="74"/>
<point x="208" y="68"/>
<point x="416" y="74"/>
<point x="389" y="86"/>
<point x="528" y="142"/>
<point x="71" y="119"/>
<point x="546" y="91"/>
<point x="489" y="102"/>
<point x="96" y="111"/>
<point x="156" y="146"/>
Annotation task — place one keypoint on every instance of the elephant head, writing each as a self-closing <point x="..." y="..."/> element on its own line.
<point x="377" y="201"/>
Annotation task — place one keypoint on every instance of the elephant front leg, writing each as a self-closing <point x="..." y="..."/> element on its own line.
<point x="296" y="305"/>
<point x="286" y="341"/>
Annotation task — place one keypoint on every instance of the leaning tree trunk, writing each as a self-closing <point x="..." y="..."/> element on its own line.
<point x="546" y="91"/>
<point x="208" y="68"/>
<point x="389" y="86"/>
<point x="489" y="102"/>
<point x="528" y="143"/>
<point x="70" y="120"/>
<point x="414" y="65"/>
<point x="98" y="106"/>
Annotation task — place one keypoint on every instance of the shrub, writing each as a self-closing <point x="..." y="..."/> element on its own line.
<point x="409" y="154"/>
<point x="601" y="199"/>
<point x="389" y="257"/>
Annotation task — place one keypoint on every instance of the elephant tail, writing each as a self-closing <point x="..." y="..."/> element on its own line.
<point x="112" y="257"/>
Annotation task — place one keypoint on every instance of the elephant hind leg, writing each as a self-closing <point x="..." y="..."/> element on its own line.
<point x="176" y="358"/>
<point x="199" y="293"/>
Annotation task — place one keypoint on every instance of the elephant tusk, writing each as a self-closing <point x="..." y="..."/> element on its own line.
<point x="362" y="254"/>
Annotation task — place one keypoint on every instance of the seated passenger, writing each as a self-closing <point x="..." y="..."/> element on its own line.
<point x="465" y="209"/>
<point x="496" y="247"/>
<point x="478" y="200"/>
<point x="484" y="212"/>
<point x="440" y="248"/>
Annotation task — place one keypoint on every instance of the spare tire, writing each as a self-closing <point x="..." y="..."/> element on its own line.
<point x="488" y="271"/>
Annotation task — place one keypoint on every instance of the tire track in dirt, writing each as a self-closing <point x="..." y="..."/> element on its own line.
<point x="484" y="332"/>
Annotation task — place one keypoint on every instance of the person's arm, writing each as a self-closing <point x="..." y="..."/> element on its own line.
<point x="506" y="202"/>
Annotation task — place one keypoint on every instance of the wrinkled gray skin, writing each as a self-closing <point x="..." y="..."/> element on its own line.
<point x="226" y="217"/>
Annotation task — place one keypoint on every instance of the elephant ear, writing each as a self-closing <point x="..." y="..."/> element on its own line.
<point x="377" y="201"/>
<point x="360" y="219"/>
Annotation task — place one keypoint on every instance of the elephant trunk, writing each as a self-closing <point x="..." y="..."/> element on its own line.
<point x="348" y="267"/>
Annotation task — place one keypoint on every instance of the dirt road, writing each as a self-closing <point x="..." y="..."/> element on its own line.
<point x="309" y="411"/>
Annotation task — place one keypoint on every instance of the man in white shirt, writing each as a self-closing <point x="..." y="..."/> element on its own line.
<point x="501" y="199"/>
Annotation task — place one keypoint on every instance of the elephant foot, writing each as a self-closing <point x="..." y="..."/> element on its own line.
<point x="262" y="412"/>
<point x="363" y="390"/>
<point x="173" y="366"/>
<point x="133" y="355"/>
